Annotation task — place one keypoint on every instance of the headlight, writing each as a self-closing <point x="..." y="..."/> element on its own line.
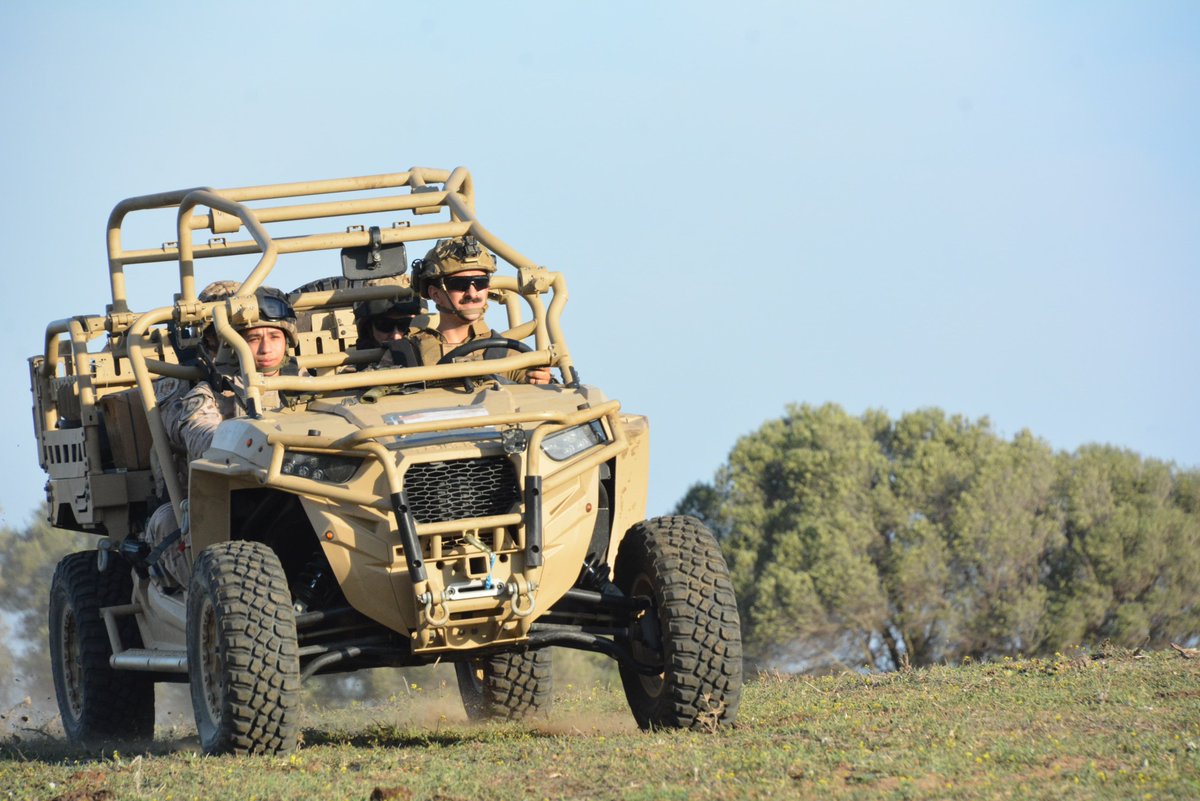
<point x="565" y="444"/>
<point x="320" y="466"/>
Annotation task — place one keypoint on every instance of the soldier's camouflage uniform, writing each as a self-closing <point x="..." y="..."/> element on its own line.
<point x="190" y="419"/>
<point x="432" y="346"/>
<point x="168" y="391"/>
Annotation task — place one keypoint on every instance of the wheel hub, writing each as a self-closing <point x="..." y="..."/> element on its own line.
<point x="648" y="648"/>
<point x="211" y="667"/>
<point x="72" y="663"/>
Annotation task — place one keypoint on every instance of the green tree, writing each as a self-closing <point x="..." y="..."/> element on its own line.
<point x="705" y="503"/>
<point x="799" y="502"/>
<point x="932" y="539"/>
<point x="972" y="526"/>
<point x="1130" y="569"/>
<point x="933" y="460"/>
<point x="28" y="557"/>
<point x="1005" y="527"/>
<point x="8" y="668"/>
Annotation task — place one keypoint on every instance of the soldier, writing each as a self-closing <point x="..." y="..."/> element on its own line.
<point x="455" y="274"/>
<point x="190" y="423"/>
<point x="191" y="420"/>
<point x="385" y="320"/>
<point x="168" y="392"/>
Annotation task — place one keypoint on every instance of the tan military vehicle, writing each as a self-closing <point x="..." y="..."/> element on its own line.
<point x="382" y="516"/>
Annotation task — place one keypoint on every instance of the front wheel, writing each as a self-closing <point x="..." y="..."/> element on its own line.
<point x="96" y="702"/>
<point x="692" y="629"/>
<point x="243" y="660"/>
<point x="506" y="686"/>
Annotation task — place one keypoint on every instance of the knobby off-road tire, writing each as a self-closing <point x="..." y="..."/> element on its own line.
<point x="693" y="629"/>
<point x="97" y="703"/>
<point x="243" y="660"/>
<point x="507" y="686"/>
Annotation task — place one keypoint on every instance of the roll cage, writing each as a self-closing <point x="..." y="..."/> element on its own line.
<point x="139" y="349"/>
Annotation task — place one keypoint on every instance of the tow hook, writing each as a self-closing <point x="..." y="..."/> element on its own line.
<point x="477" y="589"/>
<point x="517" y="610"/>
<point x="440" y="620"/>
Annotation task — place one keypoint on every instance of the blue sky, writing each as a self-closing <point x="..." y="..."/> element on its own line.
<point x="989" y="208"/>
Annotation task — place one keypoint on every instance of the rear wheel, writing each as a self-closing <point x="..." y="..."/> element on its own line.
<point x="96" y="702"/>
<point x="506" y="686"/>
<point x="243" y="660"/>
<point x="692" y="629"/>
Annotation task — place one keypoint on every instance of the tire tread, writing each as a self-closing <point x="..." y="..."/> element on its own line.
<point x="257" y="625"/>
<point x="516" y="686"/>
<point x="117" y="704"/>
<point x="699" y="620"/>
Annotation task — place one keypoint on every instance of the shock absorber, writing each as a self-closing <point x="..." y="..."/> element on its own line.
<point x="315" y="586"/>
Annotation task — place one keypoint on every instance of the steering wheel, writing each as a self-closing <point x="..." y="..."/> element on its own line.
<point x="483" y="344"/>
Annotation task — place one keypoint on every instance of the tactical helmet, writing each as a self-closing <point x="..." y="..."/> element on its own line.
<point x="368" y="310"/>
<point x="401" y="307"/>
<point x="274" y="311"/>
<point x="447" y="257"/>
<point x="218" y="290"/>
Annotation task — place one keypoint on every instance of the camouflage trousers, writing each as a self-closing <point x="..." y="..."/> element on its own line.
<point x="175" y="564"/>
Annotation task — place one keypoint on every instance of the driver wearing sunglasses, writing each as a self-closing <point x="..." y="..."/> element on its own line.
<point x="386" y="320"/>
<point x="456" y="275"/>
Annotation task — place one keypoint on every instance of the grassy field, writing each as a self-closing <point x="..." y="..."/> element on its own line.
<point x="1109" y="724"/>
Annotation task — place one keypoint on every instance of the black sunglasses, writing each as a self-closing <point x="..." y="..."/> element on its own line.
<point x="389" y="324"/>
<point x="460" y="283"/>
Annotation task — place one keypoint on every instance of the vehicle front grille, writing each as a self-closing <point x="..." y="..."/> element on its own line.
<point x="440" y="491"/>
